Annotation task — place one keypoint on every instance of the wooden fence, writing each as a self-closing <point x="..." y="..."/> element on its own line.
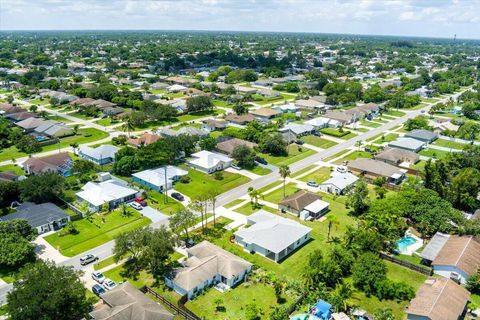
<point x="407" y="264"/>
<point x="179" y="309"/>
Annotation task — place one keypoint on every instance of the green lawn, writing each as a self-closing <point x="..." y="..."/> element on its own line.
<point x="338" y="154"/>
<point x="263" y="100"/>
<point x="198" y="115"/>
<point x="233" y="203"/>
<point x="277" y="195"/>
<point x="270" y="186"/>
<point x="106" y="122"/>
<point x="449" y="144"/>
<point x="40" y="102"/>
<point x="96" y="232"/>
<point x="83" y="136"/>
<point x="319" y="176"/>
<point x="362" y="129"/>
<point x="294" y="155"/>
<point x="261" y="171"/>
<point x="300" y="172"/>
<point x="428" y="100"/>
<point x="434" y="153"/>
<point x="319" y="142"/>
<point x="394" y="113"/>
<point x="343" y="134"/>
<point x="104" y="263"/>
<point x="59" y="118"/>
<point x="370" y="124"/>
<point x="13" y="168"/>
<point x="419" y="165"/>
<point x="202" y="182"/>
<point x="157" y="201"/>
<point x="81" y="116"/>
<point x="354" y="155"/>
<point x="221" y="103"/>
<point x="390" y="137"/>
<point x="247" y="209"/>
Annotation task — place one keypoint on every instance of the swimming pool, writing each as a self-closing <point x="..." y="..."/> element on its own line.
<point x="304" y="316"/>
<point x="405" y="242"/>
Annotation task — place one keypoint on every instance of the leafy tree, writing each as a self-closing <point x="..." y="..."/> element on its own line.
<point x="60" y="295"/>
<point x="358" y="197"/>
<point x="208" y="143"/>
<point x="9" y="192"/>
<point x="340" y="296"/>
<point x="199" y="103"/>
<point x="43" y="187"/>
<point x="420" y="122"/>
<point x="251" y="312"/>
<point x="279" y="313"/>
<point x="284" y="171"/>
<point x="274" y="144"/>
<point x="367" y="270"/>
<point x="240" y="108"/>
<point x="158" y="250"/>
<point x="384" y="314"/>
<point x="126" y="165"/>
<point x="244" y="156"/>
<point x="28" y="144"/>
<point x="131" y="244"/>
<point x="473" y="283"/>
<point x="465" y="188"/>
<point x="181" y="220"/>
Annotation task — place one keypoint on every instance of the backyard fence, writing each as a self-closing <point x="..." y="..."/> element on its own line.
<point x="180" y="309"/>
<point x="407" y="264"/>
<point x="292" y="307"/>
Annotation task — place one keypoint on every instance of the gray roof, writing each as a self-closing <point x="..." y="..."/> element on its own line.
<point x="434" y="246"/>
<point x="100" y="152"/>
<point x="376" y="167"/>
<point x="272" y="232"/>
<point x="37" y="214"/>
<point x="342" y="180"/>
<point x="125" y="302"/>
<point x="422" y="134"/>
<point x="407" y="143"/>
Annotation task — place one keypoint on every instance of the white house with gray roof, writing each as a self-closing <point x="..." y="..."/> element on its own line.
<point x="272" y="236"/>
<point x="100" y="155"/>
<point x="409" y="144"/>
<point x="338" y="183"/>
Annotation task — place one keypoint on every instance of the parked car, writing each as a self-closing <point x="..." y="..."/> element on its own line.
<point x="312" y="183"/>
<point x="178" y="196"/>
<point x="316" y="133"/>
<point x="141" y="202"/>
<point x="261" y="160"/>
<point x="189" y="243"/>
<point x="342" y="169"/>
<point x="299" y="142"/>
<point x="89" y="258"/>
<point x="136" y="205"/>
<point x="109" y="284"/>
<point x="234" y="166"/>
<point x="98" y="290"/>
<point x="98" y="276"/>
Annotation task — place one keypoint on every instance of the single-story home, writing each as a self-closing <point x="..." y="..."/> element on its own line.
<point x="206" y="265"/>
<point x="342" y="117"/>
<point x="176" y="88"/>
<point x="398" y="157"/>
<point x="125" y="302"/>
<point x="100" y="155"/>
<point x="300" y="200"/>
<point x="209" y="162"/>
<point x="265" y="113"/>
<point x="442" y="126"/>
<point x="438" y="299"/>
<point x="229" y="145"/>
<point x="60" y="163"/>
<point x="10" y="176"/>
<point x="338" y="183"/>
<point x="213" y="125"/>
<point x="28" y="125"/>
<point x="19" y="116"/>
<point x="239" y="119"/>
<point x="155" y="179"/>
<point x="272" y="236"/>
<point x="373" y="168"/>
<point x="44" y="217"/>
<point x="144" y="140"/>
<point x="371" y="108"/>
<point x="298" y="129"/>
<point x="192" y="131"/>
<point x="309" y="104"/>
<point x="112" y="192"/>
<point x="422" y="135"/>
<point x="179" y="104"/>
<point x="245" y="90"/>
<point x="286" y="108"/>
<point x="409" y="144"/>
<point x="53" y="129"/>
<point x="321" y="122"/>
<point x="453" y="257"/>
<point x="268" y="93"/>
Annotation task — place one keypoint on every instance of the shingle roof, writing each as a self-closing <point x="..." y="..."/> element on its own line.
<point x="145" y="139"/>
<point x="229" y="145"/>
<point x="422" y="134"/>
<point x="439" y="299"/>
<point x="36" y="214"/>
<point x="300" y="200"/>
<point x="373" y="166"/>
<point x="460" y="252"/>
<point x="398" y="155"/>
<point x="53" y="162"/>
<point x="100" y="152"/>
<point x="265" y="112"/>
<point x="125" y="302"/>
<point x="407" y="143"/>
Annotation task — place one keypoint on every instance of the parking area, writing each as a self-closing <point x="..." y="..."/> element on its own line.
<point x="153" y="214"/>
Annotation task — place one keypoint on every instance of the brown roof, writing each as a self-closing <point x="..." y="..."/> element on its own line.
<point x="8" y="176"/>
<point x="9" y="109"/>
<point x="460" y="252"/>
<point x="337" y="115"/>
<point x="217" y="124"/>
<point x="439" y="299"/>
<point x="300" y="200"/>
<point x="82" y="101"/>
<point x="19" y="116"/>
<point x="228" y="145"/>
<point x="398" y="155"/>
<point x="145" y="139"/>
<point x="240" y="119"/>
<point x="265" y="112"/>
<point x="375" y="167"/>
<point x="52" y="162"/>
<point x="369" y="106"/>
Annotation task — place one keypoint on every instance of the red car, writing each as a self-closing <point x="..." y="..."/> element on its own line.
<point x="141" y="201"/>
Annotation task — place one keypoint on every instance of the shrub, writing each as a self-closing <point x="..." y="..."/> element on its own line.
<point x="185" y="179"/>
<point x="218" y="175"/>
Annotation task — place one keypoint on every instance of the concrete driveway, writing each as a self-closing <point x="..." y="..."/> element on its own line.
<point x="153" y="214"/>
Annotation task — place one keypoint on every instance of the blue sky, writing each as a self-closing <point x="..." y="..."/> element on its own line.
<point x="437" y="18"/>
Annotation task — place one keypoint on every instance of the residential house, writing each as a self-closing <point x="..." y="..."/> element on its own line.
<point x="342" y="117"/>
<point x="338" y="183"/>
<point x="272" y="236"/>
<point x="19" y="116"/>
<point x="6" y="109"/>
<point x="60" y="163"/>
<point x="422" y="135"/>
<point x="229" y="145"/>
<point x="179" y="104"/>
<point x="265" y="114"/>
<point x="454" y="257"/>
<point x="302" y="201"/>
<point x="298" y="129"/>
<point x="409" y="144"/>
<point x="438" y="299"/>
<point x="244" y="90"/>
<point x="309" y="104"/>
<point x="144" y="140"/>
<point x="439" y="126"/>
<point x="207" y="265"/>
<point x="239" y="119"/>
<point x="192" y="131"/>
<point x="100" y="155"/>
<point x="372" y="169"/>
<point x="53" y="129"/>
<point x="176" y="88"/>
<point x="321" y="122"/>
<point x="43" y="217"/>
<point x="166" y="132"/>
<point x="357" y="113"/>
<point x="398" y="157"/>
<point x="286" y="108"/>
<point x="156" y="179"/>
<point x="370" y="108"/>
<point x="10" y="176"/>
<point x="209" y="162"/>
<point x="268" y="93"/>
<point x="28" y="125"/>
<point x="211" y="125"/>
<point x="125" y="302"/>
<point x="112" y="192"/>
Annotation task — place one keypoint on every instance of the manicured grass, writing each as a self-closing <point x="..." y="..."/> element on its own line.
<point x="362" y="129"/>
<point x="81" y="116"/>
<point x="370" y="124"/>
<point x="276" y="196"/>
<point x="83" y="136"/>
<point x="198" y="115"/>
<point x="414" y="259"/>
<point x="263" y="100"/>
<point x="420" y="165"/>
<point x="104" y="263"/>
<point x="429" y="100"/>
<point x="319" y="142"/>
<point x="390" y="137"/>
<point x="221" y="103"/>
<point x="294" y="155"/>
<point x="418" y="106"/>
<point x="202" y="183"/>
<point x="319" y="176"/>
<point x="157" y="201"/>
<point x="96" y="232"/>
<point x="11" y="153"/>
<point x="233" y="203"/>
<point x="40" y="102"/>
<point x="270" y="186"/>
<point x="59" y="118"/>
<point x="354" y="155"/>
<point x="13" y="168"/>
<point x="247" y="209"/>
<point x="336" y="155"/>
<point x="261" y="171"/>
<point x="394" y="113"/>
<point x="299" y="173"/>
<point x="375" y="137"/>
<point x="449" y="144"/>
<point x="106" y="122"/>
<point x="434" y="153"/>
<point x="335" y="132"/>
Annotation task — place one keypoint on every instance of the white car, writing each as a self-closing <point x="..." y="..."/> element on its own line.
<point x="342" y="169"/>
<point x="109" y="284"/>
<point x="136" y="206"/>
<point x="98" y="276"/>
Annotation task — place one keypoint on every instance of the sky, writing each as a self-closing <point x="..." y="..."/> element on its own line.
<point x="432" y="18"/>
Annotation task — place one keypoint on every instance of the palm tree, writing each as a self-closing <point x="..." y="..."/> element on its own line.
<point x="75" y="129"/>
<point x="74" y="146"/>
<point x="332" y="221"/>
<point x="213" y="200"/>
<point x="254" y="195"/>
<point x="284" y="173"/>
<point x="358" y="144"/>
<point x="128" y="126"/>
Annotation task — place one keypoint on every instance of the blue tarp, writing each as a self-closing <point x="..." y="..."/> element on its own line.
<point x="322" y="310"/>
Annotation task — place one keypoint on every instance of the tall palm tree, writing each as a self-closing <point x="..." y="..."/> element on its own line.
<point x="128" y="125"/>
<point x="284" y="173"/>
<point x="74" y="146"/>
<point x="213" y="200"/>
<point x="254" y="195"/>
<point x="332" y="221"/>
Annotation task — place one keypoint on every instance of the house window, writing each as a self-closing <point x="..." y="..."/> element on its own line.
<point x="305" y="237"/>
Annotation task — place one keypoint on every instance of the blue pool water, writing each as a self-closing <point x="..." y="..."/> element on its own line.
<point x="40" y="138"/>
<point x="304" y="316"/>
<point x="404" y="243"/>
